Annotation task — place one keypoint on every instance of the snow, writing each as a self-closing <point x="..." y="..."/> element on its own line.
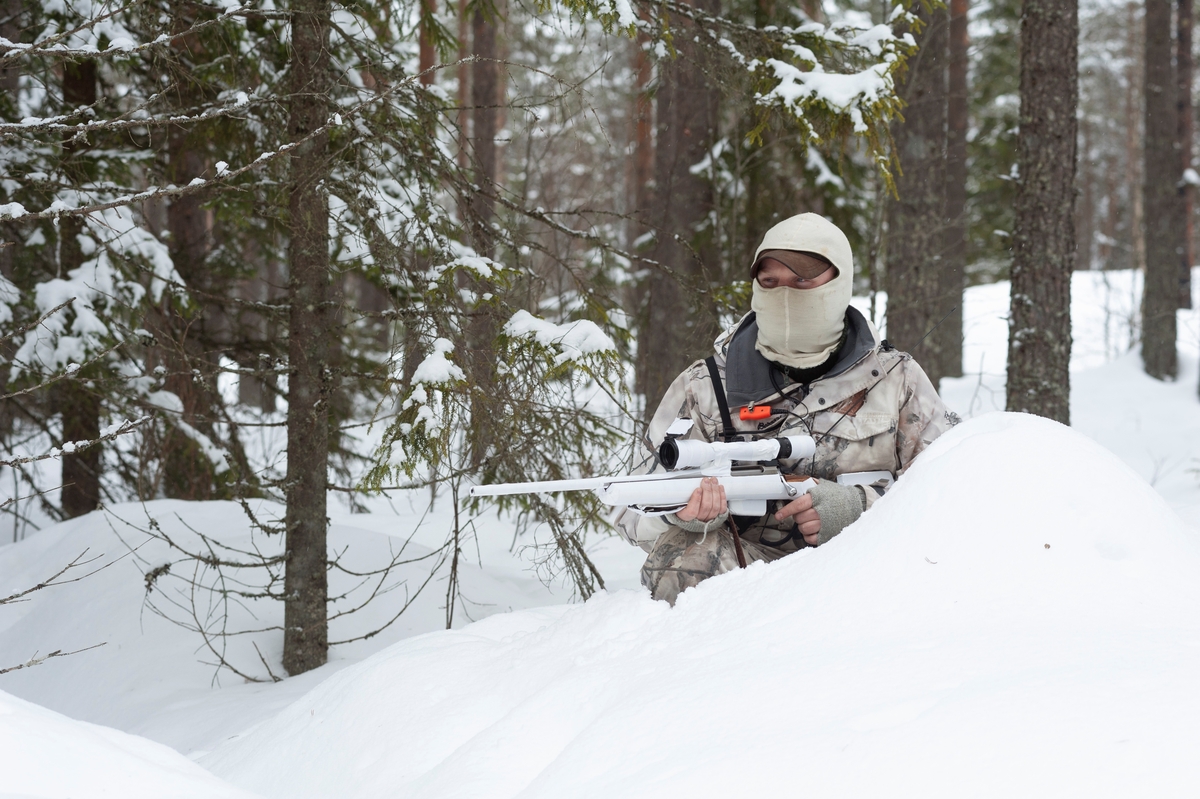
<point x="574" y="340"/>
<point x="936" y="647"/>
<point x="45" y="754"/>
<point x="1019" y="614"/>
<point x="841" y="92"/>
<point x="437" y="368"/>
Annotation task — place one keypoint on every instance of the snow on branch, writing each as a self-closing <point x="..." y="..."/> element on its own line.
<point x="111" y="432"/>
<point x="120" y="45"/>
<point x="574" y="340"/>
<point x="59" y="124"/>
<point x="16" y="212"/>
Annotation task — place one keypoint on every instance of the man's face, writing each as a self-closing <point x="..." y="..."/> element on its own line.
<point x="773" y="274"/>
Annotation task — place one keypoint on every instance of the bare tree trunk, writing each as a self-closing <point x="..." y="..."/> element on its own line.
<point x="10" y="75"/>
<point x="427" y="57"/>
<point x="485" y="92"/>
<point x="80" y="406"/>
<point x="641" y="165"/>
<point x="191" y="368"/>
<point x="1085" y="215"/>
<point x="10" y="29"/>
<point x="916" y="219"/>
<point x="486" y="89"/>
<point x="306" y="628"/>
<point x="1133" y="141"/>
<point x="679" y="322"/>
<point x="1039" y="342"/>
<point x="1160" y="178"/>
<point x="1183" y="135"/>
<point x="955" y="269"/>
<point x="1111" y="217"/>
<point x="464" y="85"/>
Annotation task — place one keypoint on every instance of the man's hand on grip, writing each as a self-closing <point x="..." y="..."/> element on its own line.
<point x="706" y="503"/>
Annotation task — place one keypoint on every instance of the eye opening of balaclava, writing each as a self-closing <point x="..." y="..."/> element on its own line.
<point x="802" y="328"/>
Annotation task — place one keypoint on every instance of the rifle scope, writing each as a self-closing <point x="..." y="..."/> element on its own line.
<point x="677" y="453"/>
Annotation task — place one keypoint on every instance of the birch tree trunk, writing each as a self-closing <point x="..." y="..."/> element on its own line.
<point x="1160" y="179"/>
<point x="916" y="238"/>
<point x="1039" y="343"/>
<point x="306" y="629"/>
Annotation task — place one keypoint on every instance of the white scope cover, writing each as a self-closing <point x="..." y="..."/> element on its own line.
<point x="690" y="454"/>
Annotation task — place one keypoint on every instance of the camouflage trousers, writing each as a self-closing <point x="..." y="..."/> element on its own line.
<point x="680" y="560"/>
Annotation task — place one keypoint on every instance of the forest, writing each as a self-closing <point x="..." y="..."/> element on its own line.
<point x="319" y="254"/>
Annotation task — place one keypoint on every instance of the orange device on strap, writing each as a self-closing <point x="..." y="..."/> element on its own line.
<point x="754" y="413"/>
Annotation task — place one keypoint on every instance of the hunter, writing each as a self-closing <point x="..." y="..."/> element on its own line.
<point x="821" y="369"/>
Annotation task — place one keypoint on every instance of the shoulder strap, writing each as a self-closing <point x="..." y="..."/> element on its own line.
<point x="728" y="433"/>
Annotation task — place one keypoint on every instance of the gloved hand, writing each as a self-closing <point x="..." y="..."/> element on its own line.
<point x="824" y="511"/>
<point x="838" y="506"/>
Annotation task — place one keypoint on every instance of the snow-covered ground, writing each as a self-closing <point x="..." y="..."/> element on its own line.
<point x="937" y="644"/>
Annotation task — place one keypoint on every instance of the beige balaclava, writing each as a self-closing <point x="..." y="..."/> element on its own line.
<point x="802" y="327"/>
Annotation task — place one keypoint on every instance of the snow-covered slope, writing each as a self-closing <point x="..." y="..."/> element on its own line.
<point x="1019" y="616"/>
<point x="155" y="678"/>
<point x="47" y="756"/>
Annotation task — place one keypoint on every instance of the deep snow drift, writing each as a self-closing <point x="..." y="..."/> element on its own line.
<point x="1019" y="615"/>
<point x="154" y="677"/>
<point x="47" y="755"/>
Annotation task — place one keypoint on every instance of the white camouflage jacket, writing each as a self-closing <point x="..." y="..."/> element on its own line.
<point x="874" y="410"/>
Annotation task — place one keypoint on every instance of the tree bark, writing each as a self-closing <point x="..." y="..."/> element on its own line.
<point x="191" y="366"/>
<point x="306" y="630"/>
<point x="1185" y="124"/>
<point x="79" y="405"/>
<point x="1133" y="142"/>
<point x="1160" y="178"/>
<point x="486" y="100"/>
<point x="679" y="321"/>
<point x="954" y="271"/>
<point x="917" y="228"/>
<point x="485" y="93"/>
<point x="1039" y="344"/>
<point x="427" y="57"/>
<point x="1086" y="210"/>
<point x="641" y="166"/>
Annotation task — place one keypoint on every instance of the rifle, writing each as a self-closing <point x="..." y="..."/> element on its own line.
<point x="747" y="469"/>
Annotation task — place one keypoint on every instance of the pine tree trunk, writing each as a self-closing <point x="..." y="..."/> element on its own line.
<point x="679" y="321"/>
<point x="641" y="166"/>
<point x="10" y="29"/>
<point x="1085" y="233"/>
<point x="485" y="75"/>
<point x="187" y="471"/>
<point x="306" y="630"/>
<point x="427" y="57"/>
<point x="1039" y="344"/>
<point x="486" y="94"/>
<point x="950" y="334"/>
<point x="916" y="237"/>
<point x="1185" y="124"/>
<point x="9" y="236"/>
<point x="1160" y="178"/>
<point x="1133" y="144"/>
<point x="79" y="405"/>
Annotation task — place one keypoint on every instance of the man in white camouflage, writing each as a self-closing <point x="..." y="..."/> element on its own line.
<point x="820" y="367"/>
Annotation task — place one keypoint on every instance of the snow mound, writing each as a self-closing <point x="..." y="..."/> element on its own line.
<point x="43" y="754"/>
<point x="155" y="678"/>
<point x="1020" y="615"/>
